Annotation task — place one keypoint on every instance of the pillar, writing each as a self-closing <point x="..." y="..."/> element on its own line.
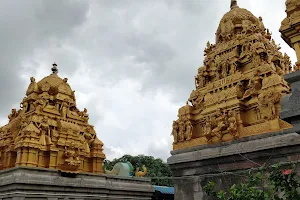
<point x="53" y="159"/>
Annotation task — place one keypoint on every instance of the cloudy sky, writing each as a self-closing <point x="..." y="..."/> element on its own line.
<point x="131" y="62"/>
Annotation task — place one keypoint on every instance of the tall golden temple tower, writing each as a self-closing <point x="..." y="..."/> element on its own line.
<point x="239" y="86"/>
<point x="49" y="131"/>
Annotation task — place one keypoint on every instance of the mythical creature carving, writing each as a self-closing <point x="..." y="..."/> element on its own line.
<point x="141" y="173"/>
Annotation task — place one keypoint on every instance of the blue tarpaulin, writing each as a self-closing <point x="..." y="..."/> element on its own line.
<point x="164" y="189"/>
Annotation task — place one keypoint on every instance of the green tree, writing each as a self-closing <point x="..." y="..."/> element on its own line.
<point x="272" y="183"/>
<point x="156" y="168"/>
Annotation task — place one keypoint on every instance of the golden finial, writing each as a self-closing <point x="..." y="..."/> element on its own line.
<point x="54" y="68"/>
<point x="233" y="4"/>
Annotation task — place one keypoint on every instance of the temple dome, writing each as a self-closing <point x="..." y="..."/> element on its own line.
<point x="55" y="82"/>
<point x="291" y="2"/>
<point x="234" y="20"/>
<point x="52" y="84"/>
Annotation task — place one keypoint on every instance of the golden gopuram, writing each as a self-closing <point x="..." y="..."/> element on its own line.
<point x="290" y="27"/>
<point x="238" y="88"/>
<point x="49" y="131"/>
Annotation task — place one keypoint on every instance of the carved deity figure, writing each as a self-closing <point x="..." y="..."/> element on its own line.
<point x="45" y="138"/>
<point x="24" y="105"/>
<point x="64" y="108"/>
<point x="200" y="78"/>
<point x="208" y="130"/>
<point x="288" y="63"/>
<point x="84" y="114"/>
<point x="197" y="99"/>
<point x="33" y="85"/>
<point x="13" y="114"/>
<point x="220" y="120"/>
<point x="232" y="68"/>
<point x="232" y="128"/>
<point x="188" y="130"/>
<point x="181" y="132"/>
<point x="266" y="104"/>
<point x="225" y="69"/>
<point x="71" y="154"/>
<point x="86" y="145"/>
<point x="246" y="24"/>
<point x="261" y="24"/>
<point x="253" y="86"/>
<point x="268" y="35"/>
<point x="40" y="104"/>
<point x="175" y="131"/>
<point x="208" y="48"/>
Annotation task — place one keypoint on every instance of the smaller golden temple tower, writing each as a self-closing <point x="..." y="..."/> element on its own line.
<point x="290" y="27"/>
<point x="49" y="131"/>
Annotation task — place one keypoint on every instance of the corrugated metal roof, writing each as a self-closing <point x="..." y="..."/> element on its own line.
<point x="164" y="189"/>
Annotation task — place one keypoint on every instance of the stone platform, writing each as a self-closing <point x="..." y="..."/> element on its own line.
<point x="194" y="167"/>
<point x="23" y="183"/>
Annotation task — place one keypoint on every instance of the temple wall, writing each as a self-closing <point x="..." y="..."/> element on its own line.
<point x="24" y="183"/>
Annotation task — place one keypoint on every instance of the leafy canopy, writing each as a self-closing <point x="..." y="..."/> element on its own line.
<point x="155" y="168"/>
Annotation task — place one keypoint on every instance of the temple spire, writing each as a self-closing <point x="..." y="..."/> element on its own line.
<point x="54" y="68"/>
<point x="233" y="4"/>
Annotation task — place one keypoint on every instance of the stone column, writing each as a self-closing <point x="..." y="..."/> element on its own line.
<point x="53" y="159"/>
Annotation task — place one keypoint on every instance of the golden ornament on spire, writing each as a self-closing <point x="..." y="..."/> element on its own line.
<point x="54" y="68"/>
<point x="49" y="131"/>
<point x="233" y="4"/>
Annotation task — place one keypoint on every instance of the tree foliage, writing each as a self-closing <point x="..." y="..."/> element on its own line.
<point x="272" y="183"/>
<point x="155" y="167"/>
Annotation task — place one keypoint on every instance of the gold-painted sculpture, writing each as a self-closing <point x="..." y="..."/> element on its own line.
<point x="239" y="87"/>
<point x="141" y="173"/>
<point x="290" y="27"/>
<point x="49" y="131"/>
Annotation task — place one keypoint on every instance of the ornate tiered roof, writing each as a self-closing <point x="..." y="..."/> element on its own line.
<point x="239" y="86"/>
<point x="49" y="131"/>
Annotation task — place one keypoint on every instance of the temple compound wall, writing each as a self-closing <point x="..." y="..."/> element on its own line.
<point x="27" y="183"/>
<point x="245" y="110"/>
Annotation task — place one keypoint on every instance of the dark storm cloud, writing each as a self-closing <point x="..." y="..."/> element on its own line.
<point x="25" y="27"/>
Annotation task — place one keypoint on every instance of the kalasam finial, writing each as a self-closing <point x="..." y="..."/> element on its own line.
<point x="233" y="4"/>
<point x="54" y="68"/>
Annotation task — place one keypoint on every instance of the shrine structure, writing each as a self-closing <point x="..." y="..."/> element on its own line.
<point x="49" y="131"/>
<point x="49" y="151"/>
<point x="239" y="86"/>
<point x="244" y="112"/>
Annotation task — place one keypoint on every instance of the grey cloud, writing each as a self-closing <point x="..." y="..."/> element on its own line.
<point x="25" y="27"/>
<point x="159" y="43"/>
<point x="163" y="37"/>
